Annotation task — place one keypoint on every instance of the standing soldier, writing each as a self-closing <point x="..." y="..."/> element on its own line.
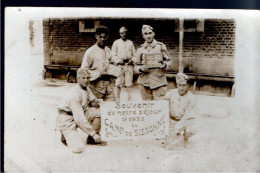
<point x="123" y="51"/>
<point x="152" y="79"/>
<point x="97" y="59"/>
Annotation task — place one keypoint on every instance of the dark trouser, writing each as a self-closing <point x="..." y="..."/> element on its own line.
<point x="103" y="88"/>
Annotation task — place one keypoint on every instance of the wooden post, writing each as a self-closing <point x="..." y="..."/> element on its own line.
<point x="181" y="33"/>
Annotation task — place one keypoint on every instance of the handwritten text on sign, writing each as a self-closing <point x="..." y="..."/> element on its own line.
<point x="153" y="60"/>
<point x="134" y="120"/>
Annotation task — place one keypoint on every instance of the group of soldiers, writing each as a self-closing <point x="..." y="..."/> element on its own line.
<point x="79" y="119"/>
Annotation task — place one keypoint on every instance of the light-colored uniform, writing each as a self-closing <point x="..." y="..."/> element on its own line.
<point x="70" y="117"/>
<point x="153" y="84"/>
<point x="96" y="58"/>
<point x="123" y="50"/>
<point x="182" y="110"/>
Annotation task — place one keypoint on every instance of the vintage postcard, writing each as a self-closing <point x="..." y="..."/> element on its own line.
<point x="131" y="90"/>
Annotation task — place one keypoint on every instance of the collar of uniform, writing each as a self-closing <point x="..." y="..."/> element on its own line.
<point x="153" y="44"/>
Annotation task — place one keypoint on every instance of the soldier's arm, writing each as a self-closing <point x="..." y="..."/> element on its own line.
<point x="93" y="101"/>
<point x="167" y="96"/>
<point x="87" y="60"/>
<point x="189" y="114"/>
<point x="166" y="56"/>
<point x="80" y="119"/>
<point x="133" y="50"/>
<point x="133" y="57"/>
<point x="114" y="52"/>
<point x="138" y="63"/>
<point x="191" y="109"/>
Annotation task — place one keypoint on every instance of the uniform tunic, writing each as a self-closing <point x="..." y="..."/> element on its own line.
<point x="182" y="109"/>
<point x="180" y="105"/>
<point x="123" y="50"/>
<point x="73" y="120"/>
<point x="156" y="77"/>
<point x="96" y="58"/>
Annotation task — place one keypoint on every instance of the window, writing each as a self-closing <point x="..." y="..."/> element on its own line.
<point x="88" y="25"/>
<point x="190" y="25"/>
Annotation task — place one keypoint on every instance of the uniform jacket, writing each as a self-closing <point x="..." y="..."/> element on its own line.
<point x="181" y="106"/>
<point x="122" y="50"/>
<point x="155" y="77"/>
<point x="75" y="117"/>
<point x="96" y="58"/>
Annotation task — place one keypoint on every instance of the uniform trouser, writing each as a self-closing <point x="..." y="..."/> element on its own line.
<point x="75" y="137"/>
<point x="152" y="94"/>
<point x="187" y="128"/>
<point x="103" y="89"/>
<point x="127" y="78"/>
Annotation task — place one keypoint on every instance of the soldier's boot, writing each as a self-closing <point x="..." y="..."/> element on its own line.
<point x="117" y="91"/>
<point x="63" y="140"/>
<point x="91" y="141"/>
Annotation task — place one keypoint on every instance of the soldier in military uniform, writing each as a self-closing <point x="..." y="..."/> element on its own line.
<point x="182" y="108"/>
<point x="123" y="51"/>
<point x="152" y="81"/>
<point x="97" y="59"/>
<point x="78" y="121"/>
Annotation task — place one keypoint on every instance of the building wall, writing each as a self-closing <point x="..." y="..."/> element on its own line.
<point x="210" y="52"/>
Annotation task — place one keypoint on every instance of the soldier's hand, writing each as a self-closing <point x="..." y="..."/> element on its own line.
<point x="117" y="61"/>
<point x="130" y="62"/>
<point x="94" y="103"/>
<point x="144" y="69"/>
<point x="125" y="61"/>
<point x="100" y="101"/>
<point x="163" y="63"/>
<point x="97" y="138"/>
<point x="94" y="74"/>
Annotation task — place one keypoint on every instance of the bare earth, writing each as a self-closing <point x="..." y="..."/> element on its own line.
<point x="32" y="144"/>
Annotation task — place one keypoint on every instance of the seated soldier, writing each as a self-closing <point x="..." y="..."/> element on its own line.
<point x="182" y="108"/>
<point x="75" y="114"/>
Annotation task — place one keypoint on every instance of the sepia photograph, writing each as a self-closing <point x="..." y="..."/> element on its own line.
<point x="131" y="90"/>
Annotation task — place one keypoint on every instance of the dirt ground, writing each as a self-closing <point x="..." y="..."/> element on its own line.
<point x="32" y="144"/>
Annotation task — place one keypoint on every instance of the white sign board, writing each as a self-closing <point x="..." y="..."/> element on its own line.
<point x="134" y="120"/>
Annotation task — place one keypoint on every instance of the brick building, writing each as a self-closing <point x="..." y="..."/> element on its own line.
<point x="208" y="45"/>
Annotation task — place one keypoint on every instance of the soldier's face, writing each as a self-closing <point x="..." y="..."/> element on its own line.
<point x="123" y="35"/>
<point x="83" y="80"/>
<point x="182" y="88"/>
<point x="148" y="36"/>
<point x="101" y="39"/>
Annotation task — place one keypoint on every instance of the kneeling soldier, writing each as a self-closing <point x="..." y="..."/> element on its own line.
<point x="182" y="108"/>
<point x="75" y="111"/>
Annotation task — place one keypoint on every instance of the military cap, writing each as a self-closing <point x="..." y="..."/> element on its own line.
<point x="83" y="72"/>
<point x="122" y="29"/>
<point x="146" y="28"/>
<point x="102" y="29"/>
<point x="181" y="78"/>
